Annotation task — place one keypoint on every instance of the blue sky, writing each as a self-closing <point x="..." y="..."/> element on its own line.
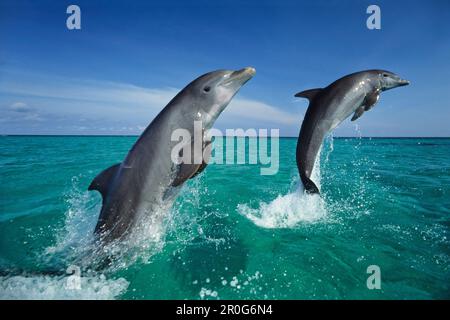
<point x="130" y="57"/>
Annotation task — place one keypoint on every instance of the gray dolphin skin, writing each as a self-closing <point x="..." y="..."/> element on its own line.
<point x="328" y="107"/>
<point x="139" y="185"/>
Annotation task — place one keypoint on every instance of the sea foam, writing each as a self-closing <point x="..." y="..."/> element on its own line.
<point x="287" y="211"/>
<point x="53" y="287"/>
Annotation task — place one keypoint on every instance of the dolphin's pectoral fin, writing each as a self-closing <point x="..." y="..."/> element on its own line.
<point x="200" y="169"/>
<point x="371" y="99"/>
<point x="358" y="113"/>
<point x="103" y="179"/>
<point x="206" y="157"/>
<point x="309" y="94"/>
<point x="189" y="171"/>
<point x="185" y="172"/>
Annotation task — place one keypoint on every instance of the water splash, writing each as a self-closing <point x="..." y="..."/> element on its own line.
<point x="287" y="211"/>
<point x="328" y="146"/>
<point x="50" y="287"/>
<point x="76" y="245"/>
<point x="75" y="238"/>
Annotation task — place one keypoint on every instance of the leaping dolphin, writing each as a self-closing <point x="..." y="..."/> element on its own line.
<point x="328" y="107"/>
<point x="138" y="186"/>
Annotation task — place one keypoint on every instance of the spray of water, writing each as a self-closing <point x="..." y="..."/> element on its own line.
<point x="76" y="244"/>
<point x="76" y="247"/>
<point x="54" y="287"/>
<point x="287" y="211"/>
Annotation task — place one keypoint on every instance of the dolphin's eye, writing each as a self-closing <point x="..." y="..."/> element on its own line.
<point x="385" y="75"/>
<point x="206" y="89"/>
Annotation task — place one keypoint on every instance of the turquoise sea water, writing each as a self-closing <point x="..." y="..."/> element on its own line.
<point x="233" y="233"/>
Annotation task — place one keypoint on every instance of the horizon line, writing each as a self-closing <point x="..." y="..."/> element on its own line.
<point x="291" y="137"/>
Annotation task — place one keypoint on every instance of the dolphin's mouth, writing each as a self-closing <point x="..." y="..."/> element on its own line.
<point x="240" y="76"/>
<point x="403" y="82"/>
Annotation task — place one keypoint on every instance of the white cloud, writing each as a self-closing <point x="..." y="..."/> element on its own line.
<point x="89" y="91"/>
<point x="115" y="103"/>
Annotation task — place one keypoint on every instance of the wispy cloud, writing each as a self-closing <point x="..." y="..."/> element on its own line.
<point x="20" y="107"/>
<point x="20" y="112"/>
<point x="90" y="106"/>
<point x="253" y="109"/>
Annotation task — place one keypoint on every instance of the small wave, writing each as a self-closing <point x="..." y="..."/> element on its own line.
<point x="61" y="288"/>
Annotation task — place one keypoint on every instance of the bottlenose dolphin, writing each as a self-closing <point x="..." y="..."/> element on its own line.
<point x="140" y="184"/>
<point x="328" y="107"/>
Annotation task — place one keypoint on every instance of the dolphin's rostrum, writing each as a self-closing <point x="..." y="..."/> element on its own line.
<point x="328" y="107"/>
<point x="140" y="184"/>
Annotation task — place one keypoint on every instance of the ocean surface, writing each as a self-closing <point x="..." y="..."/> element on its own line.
<point x="233" y="233"/>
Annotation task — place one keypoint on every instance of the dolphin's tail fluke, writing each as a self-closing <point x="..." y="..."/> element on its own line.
<point x="310" y="186"/>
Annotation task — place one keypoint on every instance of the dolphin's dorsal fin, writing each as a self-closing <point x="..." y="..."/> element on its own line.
<point x="309" y="94"/>
<point x="102" y="180"/>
